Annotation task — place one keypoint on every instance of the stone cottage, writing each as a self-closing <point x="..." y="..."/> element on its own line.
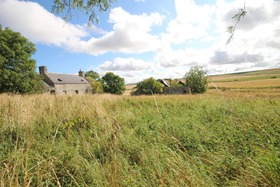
<point x="56" y="83"/>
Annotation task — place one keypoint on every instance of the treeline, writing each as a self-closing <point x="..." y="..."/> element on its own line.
<point x="18" y="74"/>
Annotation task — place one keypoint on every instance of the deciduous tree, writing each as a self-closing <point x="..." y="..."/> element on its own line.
<point x="113" y="84"/>
<point x="196" y="79"/>
<point x="17" y="68"/>
<point x="92" y="74"/>
<point x="148" y="87"/>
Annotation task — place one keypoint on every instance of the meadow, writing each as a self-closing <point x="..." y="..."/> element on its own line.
<point x="221" y="138"/>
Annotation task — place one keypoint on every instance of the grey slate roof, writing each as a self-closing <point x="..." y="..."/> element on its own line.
<point x="66" y="79"/>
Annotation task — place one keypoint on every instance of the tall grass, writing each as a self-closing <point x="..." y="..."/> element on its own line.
<point x="106" y="140"/>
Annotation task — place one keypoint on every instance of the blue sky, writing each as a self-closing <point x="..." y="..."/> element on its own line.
<point x="138" y="39"/>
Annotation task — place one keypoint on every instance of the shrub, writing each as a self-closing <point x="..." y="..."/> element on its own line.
<point x="148" y="87"/>
<point x="196" y="79"/>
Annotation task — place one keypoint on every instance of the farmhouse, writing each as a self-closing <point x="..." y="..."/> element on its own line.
<point x="169" y="90"/>
<point x="56" y="83"/>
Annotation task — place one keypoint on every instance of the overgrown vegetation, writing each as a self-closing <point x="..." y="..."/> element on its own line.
<point x="109" y="140"/>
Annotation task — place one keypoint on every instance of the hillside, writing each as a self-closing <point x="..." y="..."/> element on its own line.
<point x="247" y="75"/>
<point x="256" y="81"/>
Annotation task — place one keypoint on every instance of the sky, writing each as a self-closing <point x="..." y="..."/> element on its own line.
<point x="139" y="39"/>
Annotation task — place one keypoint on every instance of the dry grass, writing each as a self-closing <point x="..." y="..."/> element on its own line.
<point x="129" y="88"/>
<point x="212" y="139"/>
<point x="266" y="83"/>
<point x="221" y="138"/>
<point x="247" y="75"/>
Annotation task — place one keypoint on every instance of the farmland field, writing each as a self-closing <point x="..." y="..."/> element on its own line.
<point x="229" y="136"/>
<point x="269" y="79"/>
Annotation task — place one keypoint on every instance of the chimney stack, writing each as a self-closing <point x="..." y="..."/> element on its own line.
<point x="81" y="73"/>
<point x="43" y="70"/>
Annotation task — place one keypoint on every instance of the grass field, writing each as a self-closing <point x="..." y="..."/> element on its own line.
<point x="269" y="79"/>
<point x="221" y="138"/>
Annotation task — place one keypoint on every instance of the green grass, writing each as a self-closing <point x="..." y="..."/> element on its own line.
<point x="106" y="140"/>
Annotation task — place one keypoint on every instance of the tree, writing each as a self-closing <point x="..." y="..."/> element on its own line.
<point x="95" y="85"/>
<point x="148" y="87"/>
<point x="196" y="79"/>
<point x="92" y="74"/>
<point x="87" y="6"/>
<point x="17" y="69"/>
<point x="113" y="84"/>
<point x="95" y="82"/>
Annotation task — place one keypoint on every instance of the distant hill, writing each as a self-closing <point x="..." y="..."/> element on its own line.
<point x="249" y="75"/>
<point x="245" y="81"/>
<point x="262" y="79"/>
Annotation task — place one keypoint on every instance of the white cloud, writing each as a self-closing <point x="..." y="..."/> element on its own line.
<point x="256" y="40"/>
<point x="125" y="64"/>
<point x="172" y="58"/>
<point x="37" y="24"/>
<point x="192" y="22"/>
<point x="135" y="70"/>
<point x="130" y="34"/>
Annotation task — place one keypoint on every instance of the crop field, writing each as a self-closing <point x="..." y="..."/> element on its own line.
<point x="265" y="79"/>
<point x="226" y="137"/>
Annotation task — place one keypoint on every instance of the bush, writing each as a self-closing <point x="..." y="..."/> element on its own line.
<point x="196" y="79"/>
<point x="148" y="87"/>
